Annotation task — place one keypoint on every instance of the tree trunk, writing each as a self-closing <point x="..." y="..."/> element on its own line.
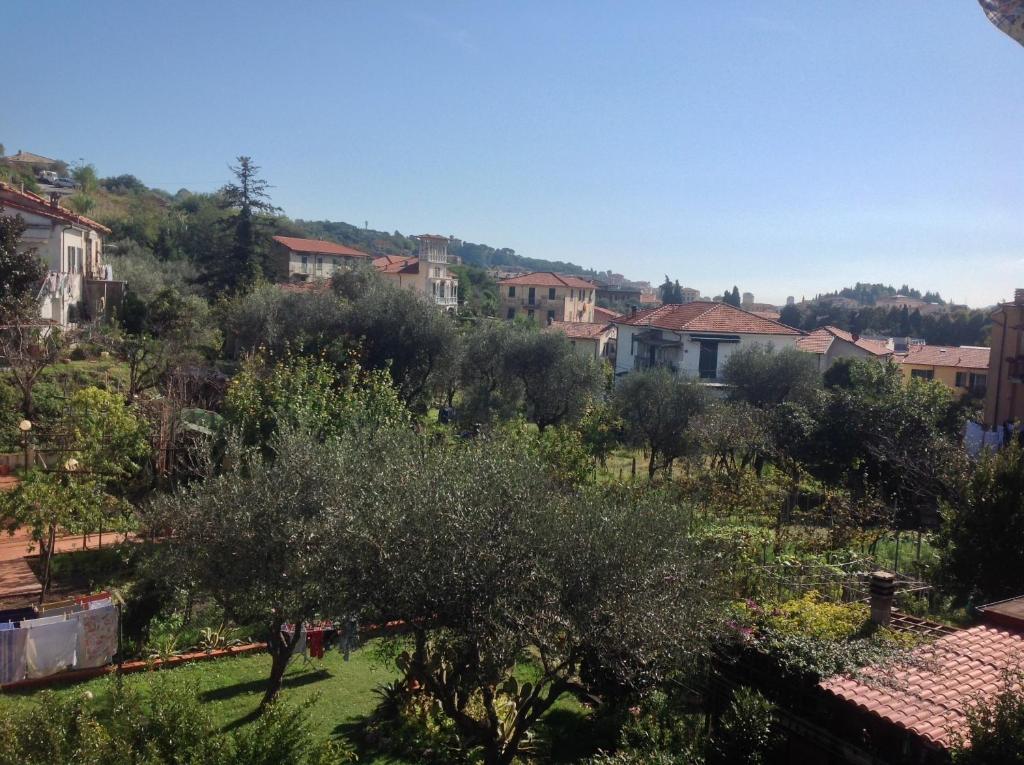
<point x="651" y="466"/>
<point x="47" y="559"/>
<point x="281" y="650"/>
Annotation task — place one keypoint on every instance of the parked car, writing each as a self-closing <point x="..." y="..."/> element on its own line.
<point x="66" y="183"/>
<point x="47" y="176"/>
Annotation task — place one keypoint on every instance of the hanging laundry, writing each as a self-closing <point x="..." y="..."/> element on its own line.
<point x="97" y="636"/>
<point x="57" y="604"/>
<point x="12" y="655"/>
<point x="315" y="640"/>
<point x="348" y="638"/>
<point x="49" y="645"/>
<point x="92" y="605"/>
<point x="84" y="599"/>
<point x="17" y="614"/>
<point x="41" y="620"/>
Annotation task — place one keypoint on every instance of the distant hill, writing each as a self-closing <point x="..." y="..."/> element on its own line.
<point x="383" y="243"/>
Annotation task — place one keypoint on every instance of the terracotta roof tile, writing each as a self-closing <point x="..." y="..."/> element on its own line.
<point x="820" y="340"/>
<point x="547" y="279"/>
<point x="605" y="314"/>
<point x="703" y="316"/>
<point x="580" y="330"/>
<point x="318" y="246"/>
<point x="963" y="357"/>
<point x="397" y="264"/>
<point x="927" y="695"/>
<point x="26" y="201"/>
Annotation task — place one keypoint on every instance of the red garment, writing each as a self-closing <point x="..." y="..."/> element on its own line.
<point x="315" y="643"/>
<point x="81" y="600"/>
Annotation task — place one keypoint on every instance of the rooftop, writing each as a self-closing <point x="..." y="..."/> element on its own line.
<point x="705" y="316"/>
<point x="26" y="201"/>
<point x="318" y="246"/>
<point x="821" y="339"/>
<point x="962" y="357"/>
<point x="579" y="330"/>
<point x="547" y="279"/>
<point x="605" y="314"/>
<point x="397" y="264"/>
<point x="927" y="696"/>
<point x="31" y="159"/>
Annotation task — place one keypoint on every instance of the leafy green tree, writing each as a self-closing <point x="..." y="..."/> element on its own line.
<point x="558" y="384"/>
<point x="269" y="539"/>
<point x="21" y="270"/>
<point x="489" y="393"/>
<point x="765" y="377"/>
<point x="27" y="347"/>
<point x="982" y="537"/>
<point x="658" y="408"/>
<point x="85" y="177"/>
<point x="746" y="733"/>
<point x="732" y="297"/>
<point x="603" y="590"/>
<point x="670" y="293"/>
<point x="790" y="316"/>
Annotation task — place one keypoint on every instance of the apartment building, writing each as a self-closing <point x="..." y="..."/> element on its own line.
<point x="545" y="297"/>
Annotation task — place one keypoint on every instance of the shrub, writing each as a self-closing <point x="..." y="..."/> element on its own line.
<point x="746" y="732"/>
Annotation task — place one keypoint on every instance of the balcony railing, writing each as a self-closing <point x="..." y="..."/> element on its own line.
<point x="445" y="300"/>
<point x="640" y="363"/>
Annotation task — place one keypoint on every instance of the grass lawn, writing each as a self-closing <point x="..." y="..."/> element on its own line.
<point x="344" y="692"/>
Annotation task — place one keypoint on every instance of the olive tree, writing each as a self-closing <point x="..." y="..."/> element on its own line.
<point x="266" y="539"/>
<point x="765" y="377"/>
<point x="495" y="565"/>
<point x="657" y="408"/>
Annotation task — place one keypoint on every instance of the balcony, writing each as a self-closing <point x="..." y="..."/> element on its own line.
<point x="641" y="364"/>
<point x="445" y="301"/>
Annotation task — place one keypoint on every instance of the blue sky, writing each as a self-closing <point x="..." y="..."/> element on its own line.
<point x="790" y="147"/>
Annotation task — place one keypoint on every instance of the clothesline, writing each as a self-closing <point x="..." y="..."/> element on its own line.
<point x="77" y="633"/>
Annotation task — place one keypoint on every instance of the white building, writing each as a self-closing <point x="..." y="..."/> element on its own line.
<point x="694" y="339"/>
<point x="427" y="272"/>
<point x="77" y="287"/>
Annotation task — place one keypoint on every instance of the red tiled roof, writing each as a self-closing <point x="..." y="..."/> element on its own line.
<point x="821" y="339"/>
<point x="964" y="357"/>
<point x="604" y="314"/>
<point x="318" y="246"/>
<point x="579" y="330"/>
<point x="927" y="695"/>
<point x="547" y="279"/>
<point x="702" y="316"/>
<point x="773" y="315"/>
<point x="26" y="201"/>
<point x="397" y="264"/>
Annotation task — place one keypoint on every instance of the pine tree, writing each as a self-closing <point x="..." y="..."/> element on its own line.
<point x="21" y="271"/>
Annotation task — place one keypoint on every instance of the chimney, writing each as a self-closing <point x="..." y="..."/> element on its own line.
<point x="1018" y="296"/>
<point x="882" y="588"/>
<point x="856" y="336"/>
<point x="54" y="200"/>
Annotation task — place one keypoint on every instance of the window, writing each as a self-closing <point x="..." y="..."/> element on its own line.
<point x="305" y="264"/>
<point x="319" y="264"/>
<point x="922" y="374"/>
<point x="961" y="379"/>
<point x="551" y="316"/>
<point x="551" y="293"/>
<point x="531" y="297"/>
<point x="511" y="313"/>
<point x="708" y="363"/>
<point x="978" y="382"/>
<point x="529" y="314"/>
<point x="335" y="263"/>
<point x="511" y="291"/>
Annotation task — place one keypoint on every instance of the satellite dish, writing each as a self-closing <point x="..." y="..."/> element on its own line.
<point x="1007" y="15"/>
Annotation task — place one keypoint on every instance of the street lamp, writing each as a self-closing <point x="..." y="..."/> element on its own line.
<point x="25" y="426"/>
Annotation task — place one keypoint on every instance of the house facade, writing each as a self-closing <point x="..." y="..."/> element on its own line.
<point x="78" y="286"/>
<point x="963" y="369"/>
<point x="829" y="344"/>
<point x="694" y="339"/>
<point x="545" y="297"/>
<point x="594" y="340"/>
<point x="298" y="259"/>
<point x="428" y="272"/>
<point x="1004" y="399"/>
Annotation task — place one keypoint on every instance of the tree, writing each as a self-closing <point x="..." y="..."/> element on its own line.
<point x="746" y="733"/>
<point x="790" y="316"/>
<point x="657" y="408"/>
<point x="268" y="540"/>
<point x="27" y="347"/>
<point x="21" y="271"/>
<point x="558" y="383"/>
<point x="732" y="297"/>
<point x="246" y="199"/>
<point x="764" y="377"/>
<point x="670" y="293"/>
<point x="982" y="537"/>
<point x="85" y="176"/>
<point x="493" y="564"/>
<point x="489" y="393"/>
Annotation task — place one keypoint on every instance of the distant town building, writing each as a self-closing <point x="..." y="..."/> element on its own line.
<point x="592" y="339"/>
<point x="78" y="286"/>
<point x="689" y="294"/>
<point x="427" y="272"/>
<point x="545" y="297"/>
<point x="299" y="259"/>
<point x="910" y="303"/>
<point x="1004" y="400"/>
<point x="790" y="300"/>
<point x="747" y="300"/>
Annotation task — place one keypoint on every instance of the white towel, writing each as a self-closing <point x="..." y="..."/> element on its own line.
<point x="97" y="636"/>
<point x="49" y="647"/>
<point x="94" y="604"/>
<point x="44" y="620"/>
<point x="12" y="655"/>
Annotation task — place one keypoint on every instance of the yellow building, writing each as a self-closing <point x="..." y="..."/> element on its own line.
<point x="545" y="297"/>
<point x="964" y="369"/>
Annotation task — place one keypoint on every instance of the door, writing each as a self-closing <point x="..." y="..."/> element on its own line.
<point x="532" y="295"/>
<point x="708" y="364"/>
